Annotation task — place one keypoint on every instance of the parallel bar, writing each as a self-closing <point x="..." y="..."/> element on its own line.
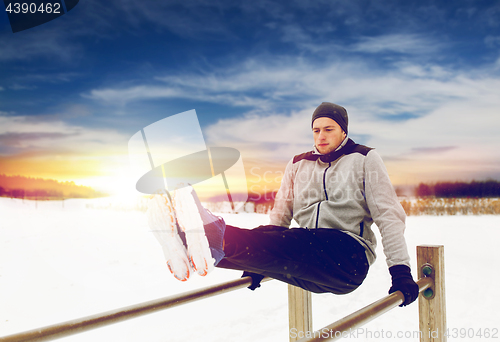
<point x="335" y="330"/>
<point x="114" y="316"/>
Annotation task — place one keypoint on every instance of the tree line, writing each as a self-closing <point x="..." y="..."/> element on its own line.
<point x="480" y="189"/>
<point x="38" y="188"/>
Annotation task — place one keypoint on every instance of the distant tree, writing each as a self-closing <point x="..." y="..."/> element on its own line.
<point x="488" y="188"/>
<point x="448" y="189"/>
<point x="424" y="190"/>
<point x="17" y="193"/>
<point x="44" y="188"/>
<point x="267" y="197"/>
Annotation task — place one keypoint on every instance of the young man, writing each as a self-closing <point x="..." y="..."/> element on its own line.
<point x="334" y="192"/>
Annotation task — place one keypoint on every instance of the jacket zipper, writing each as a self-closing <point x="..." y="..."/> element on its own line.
<point x="326" y="195"/>
<point x="317" y="215"/>
<point x="324" y="180"/>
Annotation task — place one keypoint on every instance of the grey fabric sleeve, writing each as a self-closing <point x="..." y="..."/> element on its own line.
<point x="386" y="211"/>
<point x="282" y="212"/>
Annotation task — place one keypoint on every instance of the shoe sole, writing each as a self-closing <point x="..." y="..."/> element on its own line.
<point x="191" y="223"/>
<point x="161" y="219"/>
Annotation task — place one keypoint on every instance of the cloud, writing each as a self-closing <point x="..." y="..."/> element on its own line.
<point x="14" y="143"/>
<point x="193" y="19"/>
<point x="21" y="87"/>
<point x="311" y="25"/>
<point x="298" y="54"/>
<point x="124" y="95"/>
<point x="61" y="39"/>
<point x="433" y="150"/>
<point x="16" y="139"/>
<point x="263" y="83"/>
<point x="492" y="41"/>
<point x="45" y="43"/>
<point x="451" y="116"/>
<point x="45" y="146"/>
<point x="411" y="44"/>
<point x="264" y="137"/>
<point x="403" y="92"/>
<point x="38" y="77"/>
<point x="51" y="136"/>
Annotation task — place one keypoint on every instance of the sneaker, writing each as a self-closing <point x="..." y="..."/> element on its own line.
<point x="162" y="221"/>
<point x="199" y="227"/>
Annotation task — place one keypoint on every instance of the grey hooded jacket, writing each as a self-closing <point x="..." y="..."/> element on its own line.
<point x="347" y="189"/>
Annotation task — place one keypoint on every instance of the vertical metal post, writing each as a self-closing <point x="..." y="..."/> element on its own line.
<point x="299" y="312"/>
<point x="431" y="302"/>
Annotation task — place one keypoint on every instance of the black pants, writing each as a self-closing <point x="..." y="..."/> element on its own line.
<point x="317" y="260"/>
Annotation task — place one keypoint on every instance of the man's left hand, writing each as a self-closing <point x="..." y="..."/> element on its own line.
<point x="403" y="281"/>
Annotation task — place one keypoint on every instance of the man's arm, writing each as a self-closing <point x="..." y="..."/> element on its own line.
<point x="282" y="212"/>
<point x="386" y="211"/>
<point x="389" y="216"/>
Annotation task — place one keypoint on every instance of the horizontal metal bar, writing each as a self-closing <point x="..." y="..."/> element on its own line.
<point x="114" y="316"/>
<point x="359" y="318"/>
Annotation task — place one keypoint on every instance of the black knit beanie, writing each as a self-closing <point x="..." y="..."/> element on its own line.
<point x="332" y="111"/>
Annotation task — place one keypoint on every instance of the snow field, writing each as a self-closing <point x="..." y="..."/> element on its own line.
<point x="59" y="263"/>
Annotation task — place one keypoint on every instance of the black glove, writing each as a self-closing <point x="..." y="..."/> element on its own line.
<point x="403" y="281"/>
<point x="256" y="279"/>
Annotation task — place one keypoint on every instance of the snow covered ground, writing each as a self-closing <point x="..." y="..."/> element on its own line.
<point x="60" y="261"/>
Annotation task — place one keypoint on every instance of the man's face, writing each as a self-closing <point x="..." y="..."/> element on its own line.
<point x="327" y="135"/>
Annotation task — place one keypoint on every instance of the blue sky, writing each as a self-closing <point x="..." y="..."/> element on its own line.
<point x="420" y="81"/>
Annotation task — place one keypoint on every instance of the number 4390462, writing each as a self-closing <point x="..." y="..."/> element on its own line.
<point x="34" y="8"/>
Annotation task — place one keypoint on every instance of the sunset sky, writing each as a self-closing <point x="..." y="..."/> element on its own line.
<point x="419" y="79"/>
